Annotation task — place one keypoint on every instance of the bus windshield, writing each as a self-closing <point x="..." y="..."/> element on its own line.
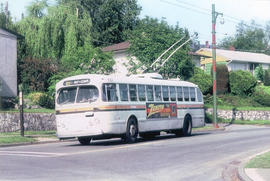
<point x="85" y="94"/>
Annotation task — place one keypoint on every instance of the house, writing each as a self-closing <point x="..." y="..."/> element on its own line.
<point x="235" y="60"/>
<point x="122" y="57"/>
<point x="8" y="63"/>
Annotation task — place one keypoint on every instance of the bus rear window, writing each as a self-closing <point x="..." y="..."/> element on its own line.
<point x="87" y="94"/>
<point x="67" y="95"/>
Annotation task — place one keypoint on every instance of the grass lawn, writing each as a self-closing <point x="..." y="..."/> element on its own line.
<point x="262" y="161"/>
<point x="248" y="122"/>
<point x="242" y="108"/>
<point x="30" y="136"/>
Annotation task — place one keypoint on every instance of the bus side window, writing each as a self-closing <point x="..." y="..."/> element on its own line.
<point x="179" y="94"/>
<point x="192" y="94"/>
<point x="123" y="92"/>
<point x="199" y="95"/>
<point x="141" y="92"/>
<point x="150" y="93"/>
<point x="157" y="93"/>
<point x="165" y="93"/>
<point x="172" y="94"/>
<point x="133" y="92"/>
<point x="109" y="93"/>
<point x="186" y="93"/>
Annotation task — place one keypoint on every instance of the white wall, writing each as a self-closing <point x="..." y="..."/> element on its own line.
<point x="233" y="66"/>
<point x="8" y="64"/>
<point x="122" y="64"/>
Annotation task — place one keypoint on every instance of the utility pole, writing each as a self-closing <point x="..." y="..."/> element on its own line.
<point x="214" y="18"/>
<point x="21" y="110"/>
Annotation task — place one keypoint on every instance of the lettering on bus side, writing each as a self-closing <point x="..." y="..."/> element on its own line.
<point x="161" y="110"/>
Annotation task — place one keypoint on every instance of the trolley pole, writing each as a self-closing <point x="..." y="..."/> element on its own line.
<point x="214" y="18"/>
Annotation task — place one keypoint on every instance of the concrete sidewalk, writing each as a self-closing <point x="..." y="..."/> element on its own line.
<point x="258" y="174"/>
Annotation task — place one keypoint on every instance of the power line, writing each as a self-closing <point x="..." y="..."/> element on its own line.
<point x="205" y="10"/>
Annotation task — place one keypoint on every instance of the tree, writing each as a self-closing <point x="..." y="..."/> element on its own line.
<point x="5" y="18"/>
<point x="248" y="38"/>
<point x="63" y="36"/>
<point x="151" y="38"/>
<point x="111" y="18"/>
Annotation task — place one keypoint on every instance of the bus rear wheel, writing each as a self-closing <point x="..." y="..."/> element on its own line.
<point x="84" y="140"/>
<point x="132" y="131"/>
<point x="187" y="128"/>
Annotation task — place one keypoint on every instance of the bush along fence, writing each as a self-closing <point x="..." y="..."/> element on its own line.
<point x="241" y="115"/>
<point x="32" y="122"/>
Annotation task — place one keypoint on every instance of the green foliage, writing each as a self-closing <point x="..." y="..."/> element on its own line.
<point x="59" y="42"/>
<point x="203" y="80"/>
<point x="46" y="101"/>
<point x="229" y="101"/>
<point x="57" y="34"/>
<point x="242" y="82"/>
<point x="259" y="73"/>
<point x="222" y="77"/>
<point x="5" y="19"/>
<point x="36" y="73"/>
<point x="35" y="97"/>
<point x="111" y="18"/>
<point x="248" y="38"/>
<point x="42" y="99"/>
<point x="267" y="78"/>
<point x="151" y="38"/>
<point x="261" y="97"/>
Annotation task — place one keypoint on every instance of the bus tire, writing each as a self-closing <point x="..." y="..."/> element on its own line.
<point x="187" y="127"/>
<point x="84" y="140"/>
<point x="132" y="131"/>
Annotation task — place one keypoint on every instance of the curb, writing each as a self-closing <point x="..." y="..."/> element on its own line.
<point x="28" y="143"/>
<point x="34" y="143"/>
<point x="241" y="169"/>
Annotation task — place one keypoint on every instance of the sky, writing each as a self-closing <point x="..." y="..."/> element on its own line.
<point x="195" y="15"/>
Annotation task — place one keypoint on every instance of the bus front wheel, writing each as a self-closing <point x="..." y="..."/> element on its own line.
<point x="84" y="140"/>
<point x="132" y="131"/>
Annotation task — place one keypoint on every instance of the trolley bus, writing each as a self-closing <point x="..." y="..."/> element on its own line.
<point x="95" y="106"/>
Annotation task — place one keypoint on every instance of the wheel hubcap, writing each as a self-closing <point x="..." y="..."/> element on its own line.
<point x="132" y="130"/>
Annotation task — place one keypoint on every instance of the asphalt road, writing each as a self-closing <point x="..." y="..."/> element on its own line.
<point x="203" y="156"/>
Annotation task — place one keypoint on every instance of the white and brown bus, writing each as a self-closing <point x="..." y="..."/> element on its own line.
<point x="104" y="106"/>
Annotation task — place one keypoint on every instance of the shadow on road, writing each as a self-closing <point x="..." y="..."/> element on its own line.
<point x="118" y="141"/>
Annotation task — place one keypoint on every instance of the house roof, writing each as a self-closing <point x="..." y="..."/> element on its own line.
<point x="239" y="56"/>
<point x="116" y="47"/>
<point x="11" y="33"/>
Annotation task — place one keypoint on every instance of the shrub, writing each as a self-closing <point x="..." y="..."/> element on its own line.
<point x="203" y="80"/>
<point x="267" y="78"/>
<point x="242" y="82"/>
<point x="46" y="101"/>
<point x="222" y="78"/>
<point x="42" y="99"/>
<point x="261" y="97"/>
<point x="259" y="73"/>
